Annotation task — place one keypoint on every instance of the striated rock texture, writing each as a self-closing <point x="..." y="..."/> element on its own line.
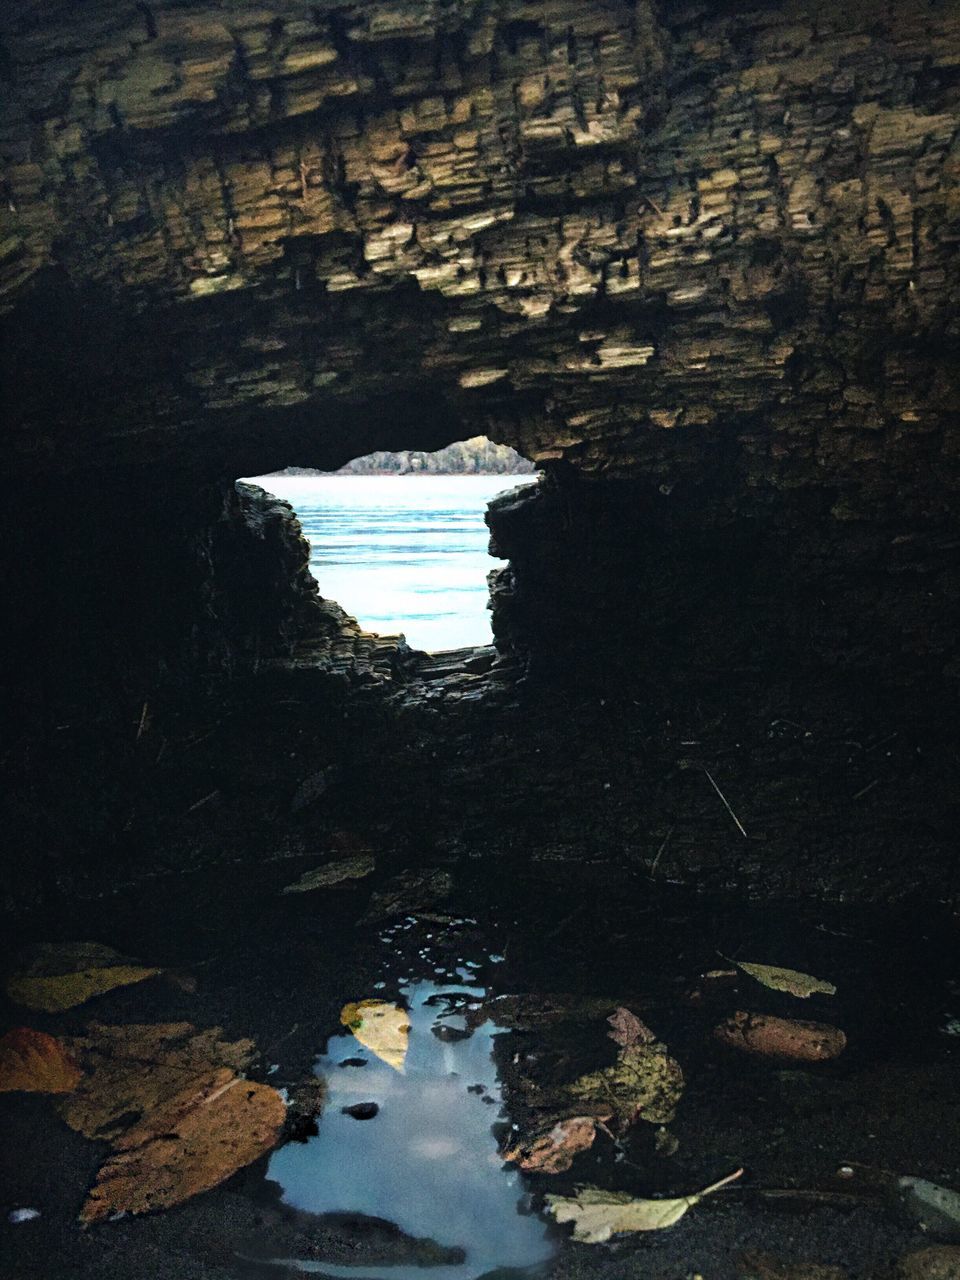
<point x="698" y="259"/>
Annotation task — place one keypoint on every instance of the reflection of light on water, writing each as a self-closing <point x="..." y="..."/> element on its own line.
<point x="401" y="553"/>
<point x="428" y="1161"/>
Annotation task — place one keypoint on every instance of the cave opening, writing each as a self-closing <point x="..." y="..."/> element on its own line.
<point x="398" y="538"/>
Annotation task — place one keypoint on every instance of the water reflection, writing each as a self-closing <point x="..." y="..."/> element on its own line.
<point x="428" y="1160"/>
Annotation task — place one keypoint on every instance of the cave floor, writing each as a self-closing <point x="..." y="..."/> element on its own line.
<point x="572" y="849"/>
<point x="774" y="784"/>
<point x="238" y="953"/>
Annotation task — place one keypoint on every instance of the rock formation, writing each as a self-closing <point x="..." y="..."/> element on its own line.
<point x="699" y="260"/>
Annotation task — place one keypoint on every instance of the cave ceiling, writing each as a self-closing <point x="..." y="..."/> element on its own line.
<point x="645" y="240"/>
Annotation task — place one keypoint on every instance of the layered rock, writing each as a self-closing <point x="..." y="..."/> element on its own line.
<point x="699" y="261"/>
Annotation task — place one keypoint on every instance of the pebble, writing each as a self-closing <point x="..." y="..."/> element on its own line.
<point x="361" y="1110"/>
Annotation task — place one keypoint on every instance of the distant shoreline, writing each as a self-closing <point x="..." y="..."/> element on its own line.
<point x="310" y="473"/>
<point x="477" y="456"/>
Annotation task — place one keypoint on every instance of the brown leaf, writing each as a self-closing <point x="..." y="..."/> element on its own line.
<point x="196" y="1140"/>
<point x="36" y="1063"/>
<point x="628" y="1029"/>
<point x="553" y="1151"/>
<point x="132" y="1070"/>
<point x="785" y="1038"/>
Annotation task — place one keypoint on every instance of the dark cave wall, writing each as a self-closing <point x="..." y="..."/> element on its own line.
<point x="146" y="583"/>
<point x="619" y="585"/>
<point x="700" y="261"/>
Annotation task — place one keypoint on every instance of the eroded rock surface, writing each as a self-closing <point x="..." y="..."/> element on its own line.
<point x="699" y="261"/>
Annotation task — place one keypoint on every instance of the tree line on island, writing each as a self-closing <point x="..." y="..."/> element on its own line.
<point x="475" y="457"/>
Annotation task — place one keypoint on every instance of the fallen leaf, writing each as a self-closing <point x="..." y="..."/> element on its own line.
<point x="789" y="1038"/>
<point x="381" y="1027"/>
<point x="36" y="1063"/>
<point x="597" y="1215"/>
<point x="130" y="1071"/>
<point x="794" y="983"/>
<point x="55" y="976"/>
<point x="199" y="1138"/>
<point x="553" y="1151"/>
<point x="644" y="1083"/>
<point x="333" y="873"/>
<point x="628" y="1029"/>
<point x="932" y="1208"/>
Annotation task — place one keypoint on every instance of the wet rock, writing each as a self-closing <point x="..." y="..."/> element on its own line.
<point x="938" y="1262"/>
<point x="304" y="1107"/>
<point x="414" y="893"/>
<point x="443" y="1031"/>
<point x="765" y="1266"/>
<point x="781" y="1038"/>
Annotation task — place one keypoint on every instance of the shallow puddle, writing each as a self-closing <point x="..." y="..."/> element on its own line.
<point x="428" y="1160"/>
<point x="507" y="983"/>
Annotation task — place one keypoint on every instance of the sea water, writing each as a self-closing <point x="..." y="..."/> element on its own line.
<point x="402" y="554"/>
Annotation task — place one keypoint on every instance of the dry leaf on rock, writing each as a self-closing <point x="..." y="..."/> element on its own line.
<point x="597" y="1215"/>
<point x="57" y="976"/>
<point x="333" y="873"/>
<point x="130" y="1071"/>
<point x="784" y="1038"/>
<point x="196" y="1140"/>
<point x="794" y="983"/>
<point x="644" y="1083"/>
<point x="553" y="1151"/>
<point x="36" y="1063"/>
<point x="628" y="1029"/>
<point x="381" y="1027"/>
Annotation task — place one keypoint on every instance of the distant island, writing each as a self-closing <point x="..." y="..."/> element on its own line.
<point x="476" y="457"/>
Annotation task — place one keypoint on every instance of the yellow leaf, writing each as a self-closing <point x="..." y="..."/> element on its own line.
<point x="382" y="1028"/>
<point x="333" y="873"/>
<point x="195" y="1141"/>
<point x="36" y="1063"/>
<point x="597" y="1215"/>
<point x="793" y="982"/>
<point x="54" y="977"/>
